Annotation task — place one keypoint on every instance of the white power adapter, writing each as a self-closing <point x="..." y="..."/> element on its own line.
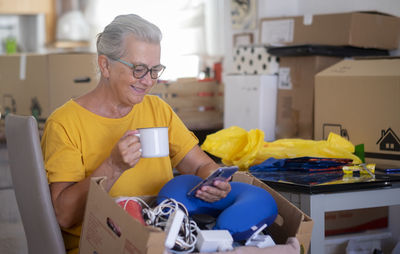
<point x="173" y="226"/>
<point x="214" y="240"/>
<point x="260" y="240"/>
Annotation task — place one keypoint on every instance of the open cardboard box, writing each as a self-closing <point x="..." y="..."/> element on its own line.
<point x="107" y="228"/>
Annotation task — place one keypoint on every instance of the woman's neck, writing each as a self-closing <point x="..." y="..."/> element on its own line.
<point x="102" y="101"/>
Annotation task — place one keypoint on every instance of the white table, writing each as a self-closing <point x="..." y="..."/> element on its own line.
<point x="316" y="205"/>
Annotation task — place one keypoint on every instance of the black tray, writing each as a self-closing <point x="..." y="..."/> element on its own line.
<point x="323" y="50"/>
<point x="380" y="181"/>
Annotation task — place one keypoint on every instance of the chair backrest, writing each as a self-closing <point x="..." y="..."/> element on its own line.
<point x="31" y="188"/>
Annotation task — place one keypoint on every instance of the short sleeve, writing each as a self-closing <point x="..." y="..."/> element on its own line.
<point x="61" y="154"/>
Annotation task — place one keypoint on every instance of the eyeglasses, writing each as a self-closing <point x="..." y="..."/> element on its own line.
<point x="141" y="70"/>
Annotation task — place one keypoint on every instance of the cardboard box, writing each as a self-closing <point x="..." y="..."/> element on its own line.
<point x="188" y="88"/>
<point x="357" y="220"/>
<point x="133" y="237"/>
<point x="199" y="104"/>
<point x="295" y="102"/>
<point x="24" y="81"/>
<point x="359" y="99"/>
<point x="36" y="84"/>
<point x="202" y="120"/>
<point x="358" y="29"/>
<point x="70" y="75"/>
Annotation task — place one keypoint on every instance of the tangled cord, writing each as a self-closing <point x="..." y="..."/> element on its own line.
<point x="158" y="217"/>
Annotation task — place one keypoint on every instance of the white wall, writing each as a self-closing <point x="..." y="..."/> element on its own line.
<point x="275" y="8"/>
<point x="331" y="6"/>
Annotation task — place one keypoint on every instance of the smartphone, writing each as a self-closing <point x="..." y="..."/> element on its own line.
<point x="221" y="173"/>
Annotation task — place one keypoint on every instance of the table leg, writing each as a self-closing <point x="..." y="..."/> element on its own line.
<point x="314" y="206"/>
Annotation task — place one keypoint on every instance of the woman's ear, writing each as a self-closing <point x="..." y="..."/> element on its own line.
<point x="104" y="66"/>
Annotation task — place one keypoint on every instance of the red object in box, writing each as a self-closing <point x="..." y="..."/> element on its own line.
<point x="132" y="207"/>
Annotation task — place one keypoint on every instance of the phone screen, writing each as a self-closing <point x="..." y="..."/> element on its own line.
<point x="222" y="174"/>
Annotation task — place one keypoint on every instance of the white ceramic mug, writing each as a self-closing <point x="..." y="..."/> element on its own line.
<point x="154" y="141"/>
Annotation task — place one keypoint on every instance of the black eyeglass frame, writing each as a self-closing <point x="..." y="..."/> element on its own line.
<point x="133" y="67"/>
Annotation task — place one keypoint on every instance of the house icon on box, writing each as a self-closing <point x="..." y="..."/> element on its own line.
<point x="389" y="141"/>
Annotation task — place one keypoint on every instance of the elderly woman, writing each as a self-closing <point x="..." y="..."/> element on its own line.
<point x="93" y="135"/>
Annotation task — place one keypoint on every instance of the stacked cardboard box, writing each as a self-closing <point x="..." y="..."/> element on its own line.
<point x="295" y="103"/>
<point x="198" y="103"/>
<point x="36" y="84"/>
<point x="349" y="97"/>
<point x="357" y="29"/>
<point x="296" y="75"/>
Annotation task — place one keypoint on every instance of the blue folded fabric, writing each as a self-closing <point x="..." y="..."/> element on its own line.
<point x="270" y="164"/>
<point x="307" y="164"/>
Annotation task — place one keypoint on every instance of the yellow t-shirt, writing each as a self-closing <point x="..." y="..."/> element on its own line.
<point x="76" y="141"/>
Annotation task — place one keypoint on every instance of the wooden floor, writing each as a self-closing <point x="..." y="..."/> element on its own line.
<point x="12" y="235"/>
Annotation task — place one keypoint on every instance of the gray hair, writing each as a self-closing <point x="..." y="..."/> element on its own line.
<point x="111" y="41"/>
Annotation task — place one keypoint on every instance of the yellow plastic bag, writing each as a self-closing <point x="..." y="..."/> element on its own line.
<point x="236" y="146"/>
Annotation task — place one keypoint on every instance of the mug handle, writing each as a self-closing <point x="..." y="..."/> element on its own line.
<point x="138" y="135"/>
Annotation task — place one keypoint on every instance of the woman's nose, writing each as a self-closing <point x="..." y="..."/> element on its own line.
<point x="147" y="80"/>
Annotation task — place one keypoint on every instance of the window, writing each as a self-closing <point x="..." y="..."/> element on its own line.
<point x="182" y="22"/>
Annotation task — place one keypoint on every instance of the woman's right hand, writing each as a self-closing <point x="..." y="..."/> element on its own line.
<point x="126" y="153"/>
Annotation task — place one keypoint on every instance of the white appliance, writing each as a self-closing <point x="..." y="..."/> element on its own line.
<point x="250" y="102"/>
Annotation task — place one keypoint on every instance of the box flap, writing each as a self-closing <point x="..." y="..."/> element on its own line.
<point x="295" y="222"/>
<point x="105" y="220"/>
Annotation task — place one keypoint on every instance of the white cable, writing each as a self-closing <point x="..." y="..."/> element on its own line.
<point x="158" y="217"/>
<point x="186" y="238"/>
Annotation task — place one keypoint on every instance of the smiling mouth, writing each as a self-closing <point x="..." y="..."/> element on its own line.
<point x="139" y="90"/>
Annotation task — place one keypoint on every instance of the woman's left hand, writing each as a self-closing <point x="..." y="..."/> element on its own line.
<point x="218" y="191"/>
<point x="197" y="162"/>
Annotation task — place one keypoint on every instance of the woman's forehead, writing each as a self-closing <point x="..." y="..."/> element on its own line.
<point x="142" y="51"/>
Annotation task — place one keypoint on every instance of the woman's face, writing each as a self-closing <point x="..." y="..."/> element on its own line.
<point x="131" y="90"/>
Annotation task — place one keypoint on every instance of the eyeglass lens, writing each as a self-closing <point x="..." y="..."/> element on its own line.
<point x="139" y="71"/>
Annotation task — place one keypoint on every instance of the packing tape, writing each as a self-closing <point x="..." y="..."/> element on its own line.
<point x="22" y="67"/>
